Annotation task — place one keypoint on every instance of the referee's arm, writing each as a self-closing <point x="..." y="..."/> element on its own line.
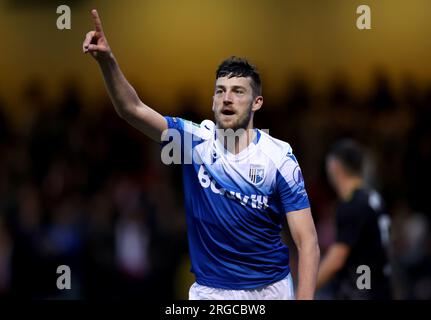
<point x="123" y="96"/>
<point x="301" y="226"/>
<point x="333" y="261"/>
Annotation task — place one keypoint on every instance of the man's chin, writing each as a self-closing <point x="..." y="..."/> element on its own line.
<point x="233" y="124"/>
<point x="227" y="125"/>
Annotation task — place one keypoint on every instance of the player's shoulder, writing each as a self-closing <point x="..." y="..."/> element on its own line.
<point x="203" y="130"/>
<point x="360" y="204"/>
<point x="371" y="198"/>
<point x="277" y="150"/>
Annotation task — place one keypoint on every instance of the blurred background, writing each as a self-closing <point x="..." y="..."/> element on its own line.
<point x="80" y="187"/>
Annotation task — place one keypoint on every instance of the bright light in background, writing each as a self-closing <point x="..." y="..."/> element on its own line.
<point x="167" y="45"/>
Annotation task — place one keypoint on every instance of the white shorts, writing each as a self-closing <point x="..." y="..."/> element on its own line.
<point x="280" y="290"/>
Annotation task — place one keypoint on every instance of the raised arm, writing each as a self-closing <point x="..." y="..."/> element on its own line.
<point x="123" y="96"/>
<point x="304" y="234"/>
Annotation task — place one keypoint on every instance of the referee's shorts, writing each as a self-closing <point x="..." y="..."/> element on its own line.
<point x="280" y="290"/>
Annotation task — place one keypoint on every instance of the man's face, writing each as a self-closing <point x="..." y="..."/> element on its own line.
<point x="233" y="102"/>
<point x="333" y="171"/>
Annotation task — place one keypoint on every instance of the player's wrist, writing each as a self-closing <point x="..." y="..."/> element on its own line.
<point x="105" y="58"/>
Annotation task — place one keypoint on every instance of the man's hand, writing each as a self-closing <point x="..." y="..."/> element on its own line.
<point x="123" y="96"/>
<point x="95" y="41"/>
<point x="335" y="259"/>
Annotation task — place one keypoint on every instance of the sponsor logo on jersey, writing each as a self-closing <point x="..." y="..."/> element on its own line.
<point x="253" y="200"/>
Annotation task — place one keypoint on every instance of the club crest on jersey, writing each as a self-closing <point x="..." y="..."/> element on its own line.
<point x="256" y="173"/>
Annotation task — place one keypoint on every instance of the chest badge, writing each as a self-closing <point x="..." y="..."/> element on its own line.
<point x="256" y="173"/>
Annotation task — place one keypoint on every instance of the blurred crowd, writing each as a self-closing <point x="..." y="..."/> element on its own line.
<point x="82" y="188"/>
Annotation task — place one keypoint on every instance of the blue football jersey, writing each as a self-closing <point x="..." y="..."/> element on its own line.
<point x="235" y="204"/>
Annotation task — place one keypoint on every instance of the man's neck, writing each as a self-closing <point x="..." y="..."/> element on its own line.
<point x="349" y="186"/>
<point x="238" y="141"/>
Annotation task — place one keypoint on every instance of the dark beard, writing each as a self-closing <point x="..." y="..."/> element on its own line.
<point x="241" y="123"/>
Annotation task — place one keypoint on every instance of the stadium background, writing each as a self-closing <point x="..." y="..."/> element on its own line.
<point x="79" y="187"/>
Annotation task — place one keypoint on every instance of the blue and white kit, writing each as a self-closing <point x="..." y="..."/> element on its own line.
<point x="235" y="205"/>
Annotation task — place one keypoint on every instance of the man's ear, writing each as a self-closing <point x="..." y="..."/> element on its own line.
<point x="257" y="103"/>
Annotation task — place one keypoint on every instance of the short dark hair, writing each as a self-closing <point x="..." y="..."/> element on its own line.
<point x="240" y="67"/>
<point x="351" y="155"/>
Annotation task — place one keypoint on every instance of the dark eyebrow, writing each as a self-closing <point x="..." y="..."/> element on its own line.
<point x="233" y="87"/>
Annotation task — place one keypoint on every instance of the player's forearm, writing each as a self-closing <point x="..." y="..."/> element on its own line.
<point x="122" y="94"/>
<point x="308" y="265"/>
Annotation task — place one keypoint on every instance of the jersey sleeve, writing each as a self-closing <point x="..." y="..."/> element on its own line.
<point x="175" y="125"/>
<point x="180" y="138"/>
<point x="290" y="185"/>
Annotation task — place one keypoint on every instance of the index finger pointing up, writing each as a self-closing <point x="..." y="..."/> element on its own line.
<point x="96" y="19"/>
